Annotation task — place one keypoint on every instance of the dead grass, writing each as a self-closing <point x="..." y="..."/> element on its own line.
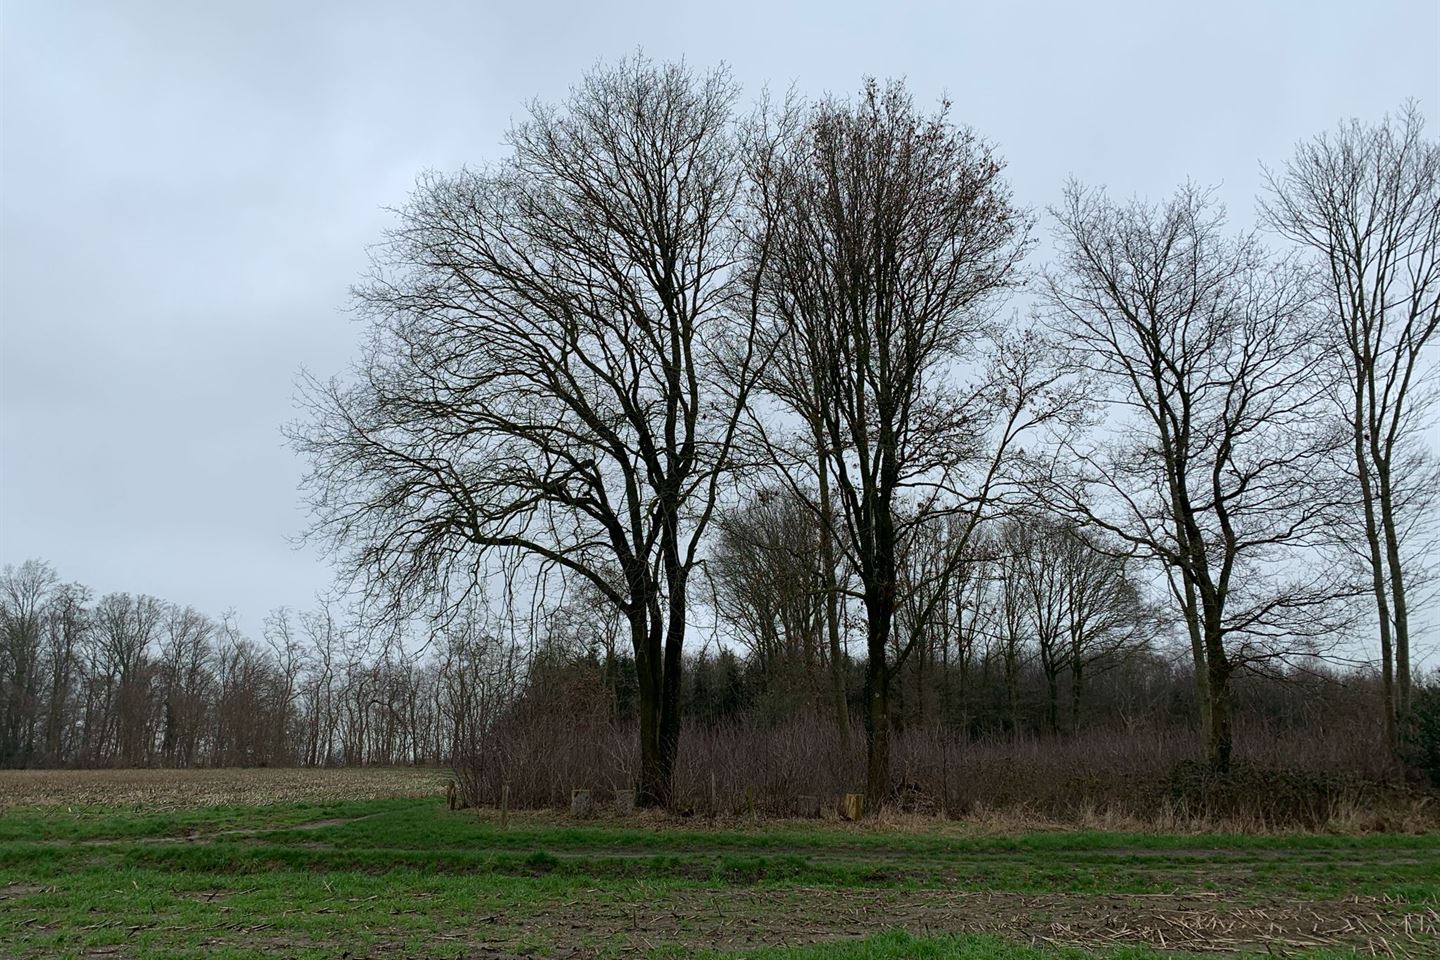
<point x="1195" y="922"/>
<point x="176" y="789"/>
<point x="1418" y="818"/>
<point x="156" y="789"/>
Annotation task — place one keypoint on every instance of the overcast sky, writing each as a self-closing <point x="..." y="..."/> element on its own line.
<point x="189" y="188"/>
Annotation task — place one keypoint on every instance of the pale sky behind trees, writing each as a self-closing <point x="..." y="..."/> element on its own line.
<point x="187" y="191"/>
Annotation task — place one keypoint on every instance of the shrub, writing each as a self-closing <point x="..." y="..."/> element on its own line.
<point x="1283" y="777"/>
<point x="1420" y="739"/>
<point x="1267" y="796"/>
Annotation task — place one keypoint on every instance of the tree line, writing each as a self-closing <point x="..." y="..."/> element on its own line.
<point x="131" y="680"/>
<point x="1051" y="659"/>
<point x="584" y="356"/>
<point x="792" y="365"/>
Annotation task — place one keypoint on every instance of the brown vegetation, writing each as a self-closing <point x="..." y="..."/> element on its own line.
<point x="180" y="789"/>
<point x="1191" y="922"/>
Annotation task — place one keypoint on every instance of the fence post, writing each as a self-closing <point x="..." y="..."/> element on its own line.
<point x="505" y="805"/>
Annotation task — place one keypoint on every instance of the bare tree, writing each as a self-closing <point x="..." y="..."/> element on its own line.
<point x="1214" y="459"/>
<point x="943" y="604"/>
<point x="125" y="626"/>
<point x="1034" y="571"/>
<point x="1077" y="601"/>
<point x="588" y="623"/>
<point x="1365" y="201"/>
<point x="24" y="593"/>
<point x="185" y="652"/>
<point x="892" y="234"/>
<point x="1107" y="618"/>
<point x="67" y="622"/>
<point x="795" y="379"/>
<point x="557" y="363"/>
<point x="769" y="584"/>
<point x="1008" y="618"/>
<point x="283" y="639"/>
<point x="324" y="636"/>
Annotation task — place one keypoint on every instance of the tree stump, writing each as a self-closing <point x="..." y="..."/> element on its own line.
<point x="808" y="807"/>
<point x="852" y="806"/>
<point x="625" y="802"/>
<point x="580" y="805"/>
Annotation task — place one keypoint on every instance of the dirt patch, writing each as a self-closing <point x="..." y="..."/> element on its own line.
<point x="322" y="824"/>
<point x="11" y="890"/>
<point x="734" y="919"/>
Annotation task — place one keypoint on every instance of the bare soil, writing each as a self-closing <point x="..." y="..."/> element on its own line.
<point x="1193" y="922"/>
<point x="178" y="789"/>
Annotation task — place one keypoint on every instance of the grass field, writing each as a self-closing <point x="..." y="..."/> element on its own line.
<point x="370" y="863"/>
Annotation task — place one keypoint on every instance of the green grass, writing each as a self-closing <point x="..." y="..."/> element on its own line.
<point x="407" y="877"/>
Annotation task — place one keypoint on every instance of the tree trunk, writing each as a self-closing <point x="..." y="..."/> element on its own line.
<point x="1197" y="653"/>
<point x="877" y="733"/>
<point x="879" y="616"/>
<point x="670" y="692"/>
<point x="1077" y="686"/>
<point x="647" y="668"/>
<point x="1218" y="741"/>
<point x="832" y="596"/>
<point x="1399" y="607"/>
<point x="1052" y="697"/>
<point x="1377" y="571"/>
<point x="59" y="694"/>
<point x="1012" y="689"/>
<point x="167" y="742"/>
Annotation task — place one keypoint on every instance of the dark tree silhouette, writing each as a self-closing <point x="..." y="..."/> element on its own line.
<point x="558" y="359"/>
<point x="1216" y="459"/>
<point x="892" y="234"/>
<point x="1365" y="201"/>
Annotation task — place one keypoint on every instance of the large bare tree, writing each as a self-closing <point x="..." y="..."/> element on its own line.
<point x="892" y="234"/>
<point x="1214" y="458"/>
<point x="558" y="357"/>
<point x="1365" y="201"/>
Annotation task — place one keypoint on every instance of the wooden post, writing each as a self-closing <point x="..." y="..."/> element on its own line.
<point x="505" y="805"/>
<point x="852" y="806"/>
<point x="580" y="803"/>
